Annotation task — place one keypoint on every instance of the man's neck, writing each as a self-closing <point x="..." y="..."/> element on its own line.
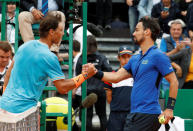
<point x="45" y="41"/>
<point x="176" y="39"/>
<point x="2" y="68"/>
<point x="145" y="45"/>
<point x="76" y="53"/>
<point x="11" y="15"/>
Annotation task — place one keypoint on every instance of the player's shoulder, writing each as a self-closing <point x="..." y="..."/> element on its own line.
<point x="157" y="52"/>
<point x="160" y="56"/>
<point x="135" y="57"/>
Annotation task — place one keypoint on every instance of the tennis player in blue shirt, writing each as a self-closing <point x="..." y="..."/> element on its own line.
<point x="147" y="69"/>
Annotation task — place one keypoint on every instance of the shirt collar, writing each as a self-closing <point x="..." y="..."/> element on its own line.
<point x="44" y="44"/>
<point x="151" y="48"/>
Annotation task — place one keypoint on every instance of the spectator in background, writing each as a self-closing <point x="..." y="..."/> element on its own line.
<point x="32" y="13"/>
<point x="78" y="34"/>
<point x="117" y="23"/>
<point x="5" y="61"/>
<point x="104" y="13"/>
<point x="144" y="8"/>
<point x="95" y="85"/>
<point x="183" y="6"/>
<point x="165" y="11"/>
<point x="191" y="34"/>
<point x="76" y="93"/>
<point x="118" y="95"/>
<point x="156" y="1"/>
<point x="10" y="22"/>
<point x="190" y="20"/>
<point x="92" y="29"/>
<point x="77" y="51"/>
<point x="133" y="14"/>
<point x="185" y="56"/>
<point x="169" y="43"/>
<point x="76" y="54"/>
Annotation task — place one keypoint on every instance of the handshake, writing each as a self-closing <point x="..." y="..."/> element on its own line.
<point x="88" y="70"/>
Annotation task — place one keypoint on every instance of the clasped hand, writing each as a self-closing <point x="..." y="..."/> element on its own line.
<point x="89" y="70"/>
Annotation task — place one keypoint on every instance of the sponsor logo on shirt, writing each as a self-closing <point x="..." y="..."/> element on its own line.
<point x="171" y="68"/>
<point x="144" y="61"/>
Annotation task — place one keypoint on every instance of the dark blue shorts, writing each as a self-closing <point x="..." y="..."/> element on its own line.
<point x="142" y="122"/>
<point x="116" y="120"/>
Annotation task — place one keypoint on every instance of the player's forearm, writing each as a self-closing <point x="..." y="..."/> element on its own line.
<point x="173" y="88"/>
<point x="115" y="77"/>
<point x="112" y="77"/>
<point x="171" y="78"/>
<point x="65" y="85"/>
<point x="69" y="85"/>
<point x="172" y="96"/>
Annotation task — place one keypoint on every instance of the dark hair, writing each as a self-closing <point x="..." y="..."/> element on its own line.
<point x="11" y="3"/>
<point x="5" y="46"/>
<point x="152" y="24"/>
<point x="76" y="45"/>
<point x="91" y="44"/>
<point x="49" y="22"/>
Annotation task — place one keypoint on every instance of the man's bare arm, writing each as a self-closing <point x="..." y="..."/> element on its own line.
<point x="168" y="113"/>
<point x="65" y="85"/>
<point x="171" y="78"/>
<point x="115" y="77"/>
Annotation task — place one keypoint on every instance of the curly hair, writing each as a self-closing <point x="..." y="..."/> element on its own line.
<point x="49" y="22"/>
<point x="152" y="24"/>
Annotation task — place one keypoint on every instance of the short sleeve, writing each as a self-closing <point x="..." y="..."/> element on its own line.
<point x="163" y="64"/>
<point x="52" y="67"/>
<point x="128" y="65"/>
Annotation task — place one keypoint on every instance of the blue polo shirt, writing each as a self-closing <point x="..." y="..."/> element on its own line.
<point x="34" y="63"/>
<point x="147" y="71"/>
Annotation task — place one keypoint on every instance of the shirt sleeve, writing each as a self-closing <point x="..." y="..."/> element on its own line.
<point x="52" y="67"/>
<point x="127" y="67"/>
<point x="163" y="64"/>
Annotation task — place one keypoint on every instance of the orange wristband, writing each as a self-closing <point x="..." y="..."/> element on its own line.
<point x="4" y="88"/>
<point x="78" y="80"/>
